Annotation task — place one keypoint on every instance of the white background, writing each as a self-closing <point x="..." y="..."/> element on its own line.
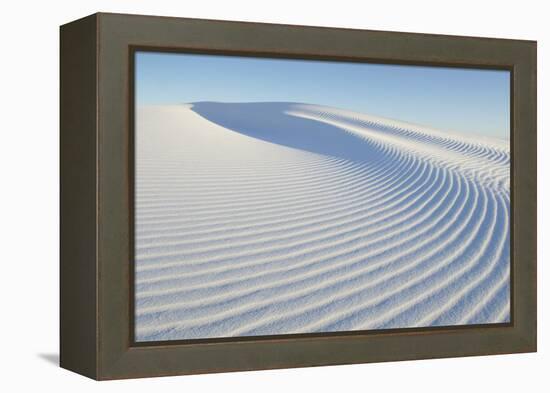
<point x="29" y="213"/>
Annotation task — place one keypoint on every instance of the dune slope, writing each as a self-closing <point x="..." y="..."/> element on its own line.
<point x="281" y="218"/>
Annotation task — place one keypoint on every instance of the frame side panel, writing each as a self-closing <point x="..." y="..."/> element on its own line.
<point x="78" y="191"/>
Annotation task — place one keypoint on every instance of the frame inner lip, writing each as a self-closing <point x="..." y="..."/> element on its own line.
<point x="134" y="48"/>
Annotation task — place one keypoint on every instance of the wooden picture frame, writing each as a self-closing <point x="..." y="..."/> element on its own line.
<point x="96" y="268"/>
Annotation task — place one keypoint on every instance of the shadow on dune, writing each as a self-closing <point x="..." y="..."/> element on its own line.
<point x="269" y="121"/>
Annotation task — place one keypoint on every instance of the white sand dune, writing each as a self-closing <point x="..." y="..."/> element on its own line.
<point x="281" y="218"/>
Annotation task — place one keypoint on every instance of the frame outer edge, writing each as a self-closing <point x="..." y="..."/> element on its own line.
<point x="527" y="173"/>
<point x="117" y="358"/>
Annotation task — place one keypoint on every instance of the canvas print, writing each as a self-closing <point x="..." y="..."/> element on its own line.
<point x="288" y="196"/>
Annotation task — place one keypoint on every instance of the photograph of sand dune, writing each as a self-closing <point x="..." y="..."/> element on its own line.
<point x="290" y="196"/>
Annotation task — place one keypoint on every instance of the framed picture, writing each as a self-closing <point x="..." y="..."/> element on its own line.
<point x="240" y="196"/>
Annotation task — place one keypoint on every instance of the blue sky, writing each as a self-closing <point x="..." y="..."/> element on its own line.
<point x="465" y="100"/>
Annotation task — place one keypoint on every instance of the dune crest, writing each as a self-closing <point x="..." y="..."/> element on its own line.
<point x="280" y="218"/>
